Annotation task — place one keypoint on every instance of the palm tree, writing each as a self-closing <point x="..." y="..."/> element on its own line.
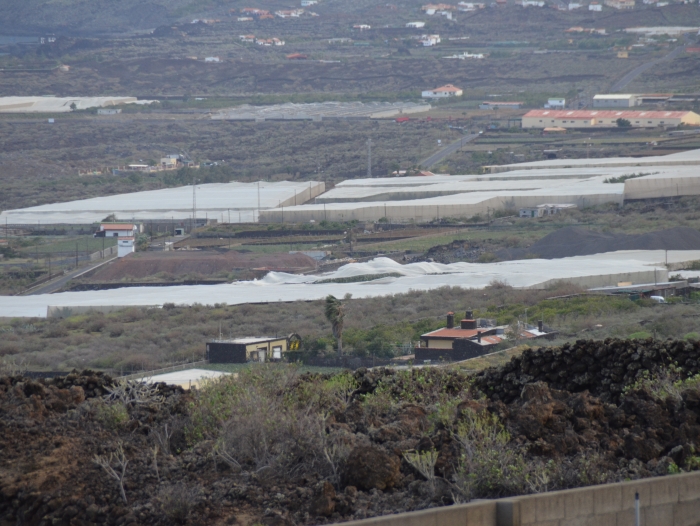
<point x="335" y="313"/>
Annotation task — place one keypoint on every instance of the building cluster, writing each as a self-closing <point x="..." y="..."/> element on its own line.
<point x="589" y="30"/>
<point x="439" y="9"/>
<point x="169" y="162"/>
<point x="467" y="56"/>
<point x="429" y="40"/>
<point x="274" y="41"/>
<point x="472" y="338"/>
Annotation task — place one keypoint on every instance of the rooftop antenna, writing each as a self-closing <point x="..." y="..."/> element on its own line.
<point x="220" y="337"/>
<point x="369" y="158"/>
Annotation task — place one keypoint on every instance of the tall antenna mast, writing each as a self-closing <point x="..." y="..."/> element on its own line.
<point x="369" y="158"/>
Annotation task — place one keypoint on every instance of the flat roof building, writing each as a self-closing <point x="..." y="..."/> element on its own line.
<point x="616" y="101"/>
<point x="540" y="119"/>
<point x="252" y="349"/>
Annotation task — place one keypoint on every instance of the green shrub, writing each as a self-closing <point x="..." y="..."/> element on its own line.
<point x="639" y="335"/>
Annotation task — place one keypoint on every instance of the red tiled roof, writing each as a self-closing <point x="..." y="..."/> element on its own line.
<point x="605" y="114"/>
<point x="117" y="227"/>
<point x="447" y="87"/>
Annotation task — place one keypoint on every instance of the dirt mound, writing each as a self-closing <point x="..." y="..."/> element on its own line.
<point x="181" y="263"/>
<point x="577" y="241"/>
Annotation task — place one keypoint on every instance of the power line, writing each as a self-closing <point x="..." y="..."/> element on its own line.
<point x="369" y="158"/>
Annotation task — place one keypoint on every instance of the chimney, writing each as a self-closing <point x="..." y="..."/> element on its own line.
<point x="540" y="326"/>
<point x="478" y="336"/>
<point x="468" y="324"/>
<point x="450" y="320"/>
<point x="469" y="315"/>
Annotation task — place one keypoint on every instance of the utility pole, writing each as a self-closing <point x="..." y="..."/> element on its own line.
<point x="369" y="158"/>
<point x="194" y="203"/>
<point x="258" y="201"/>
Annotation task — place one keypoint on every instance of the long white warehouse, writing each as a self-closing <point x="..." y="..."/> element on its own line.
<point x="582" y="182"/>
<point x="587" y="271"/>
<point x="227" y="202"/>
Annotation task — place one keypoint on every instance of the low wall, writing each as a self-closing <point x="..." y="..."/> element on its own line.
<point x="673" y="500"/>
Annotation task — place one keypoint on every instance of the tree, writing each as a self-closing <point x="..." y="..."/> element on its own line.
<point x="623" y="123"/>
<point x="335" y="313"/>
<point x="73" y="107"/>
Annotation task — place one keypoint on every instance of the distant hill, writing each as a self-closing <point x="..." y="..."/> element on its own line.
<point x="94" y="16"/>
<point x="577" y="241"/>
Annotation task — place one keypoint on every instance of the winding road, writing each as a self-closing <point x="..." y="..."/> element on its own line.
<point x="448" y="150"/>
<point x="629" y="77"/>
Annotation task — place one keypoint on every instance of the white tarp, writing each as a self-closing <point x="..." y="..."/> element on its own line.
<point x="588" y="271"/>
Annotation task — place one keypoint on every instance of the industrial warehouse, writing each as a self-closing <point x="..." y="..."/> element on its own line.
<point x="589" y="119"/>
<point x="582" y="182"/>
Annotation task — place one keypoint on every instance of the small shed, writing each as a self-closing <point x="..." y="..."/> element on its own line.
<point x="251" y="349"/>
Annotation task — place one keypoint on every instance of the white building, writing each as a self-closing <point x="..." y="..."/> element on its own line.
<point x="430" y="40"/>
<point x="417" y="25"/>
<point x="307" y="3"/>
<point x="443" y="92"/>
<point x="545" y="210"/>
<point x="125" y="246"/>
<point x="616" y="101"/>
<point x="556" y="104"/>
<point x="212" y="59"/>
<point x="117" y="230"/>
<point x="595" y="6"/>
<point x="574" y="5"/>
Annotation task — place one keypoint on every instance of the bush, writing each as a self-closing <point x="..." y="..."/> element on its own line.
<point x="176" y="501"/>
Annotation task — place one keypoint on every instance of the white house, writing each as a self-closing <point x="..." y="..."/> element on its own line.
<point x="443" y="92"/>
<point x="417" y="25"/>
<point x="307" y="3"/>
<point x="212" y="59"/>
<point x="595" y="6"/>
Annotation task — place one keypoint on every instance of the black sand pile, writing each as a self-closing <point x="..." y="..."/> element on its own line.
<point x="577" y="241"/>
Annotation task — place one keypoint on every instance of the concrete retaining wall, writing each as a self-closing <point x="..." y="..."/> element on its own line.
<point x="664" y="501"/>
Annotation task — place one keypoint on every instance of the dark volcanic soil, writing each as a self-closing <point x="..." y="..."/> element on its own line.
<point x="573" y="405"/>
<point x="577" y="241"/>
<point x="181" y="263"/>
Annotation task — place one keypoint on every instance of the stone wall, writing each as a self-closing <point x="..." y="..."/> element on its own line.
<point x="673" y="500"/>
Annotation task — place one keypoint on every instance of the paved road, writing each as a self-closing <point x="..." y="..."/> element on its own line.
<point x="447" y="151"/>
<point x="624" y="81"/>
<point x="57" y="284"/>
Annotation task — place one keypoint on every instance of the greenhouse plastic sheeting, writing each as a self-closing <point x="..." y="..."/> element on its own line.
<point x="587" y="271"/>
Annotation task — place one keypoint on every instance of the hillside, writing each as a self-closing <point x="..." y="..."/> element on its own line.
<point x="278" y="448"/>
